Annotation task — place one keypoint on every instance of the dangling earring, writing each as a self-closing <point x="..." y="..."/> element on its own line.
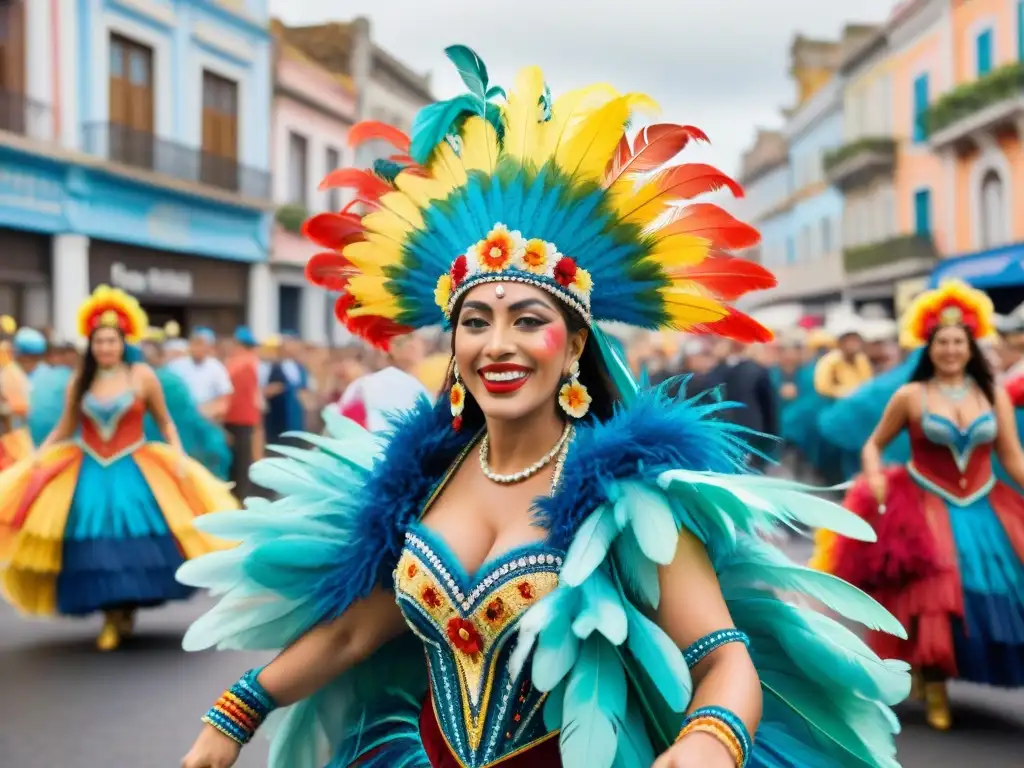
<point x="457" y="398"/>
<point x="573" y="397"/>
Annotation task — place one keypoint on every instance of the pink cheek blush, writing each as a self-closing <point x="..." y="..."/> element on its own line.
<point x="552" y="341"/>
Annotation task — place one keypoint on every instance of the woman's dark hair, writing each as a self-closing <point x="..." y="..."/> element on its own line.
<point x="87" y="369"/>
<point x="977" y="365"/>
<point x="593" y="375"/>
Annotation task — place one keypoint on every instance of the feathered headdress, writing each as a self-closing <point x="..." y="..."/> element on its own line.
<point x="952" y="303"/>
<point x="551" y="193"/>
<point x="112" y="308"/>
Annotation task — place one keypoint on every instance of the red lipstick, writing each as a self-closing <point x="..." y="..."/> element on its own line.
<point x="504" y="386"/>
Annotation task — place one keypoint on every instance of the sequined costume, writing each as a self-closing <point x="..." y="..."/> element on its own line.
<point x="546" y="656"/>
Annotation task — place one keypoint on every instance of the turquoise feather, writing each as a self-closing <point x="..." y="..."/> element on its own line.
<point x="601" y="611"/>
<point x="595" y="700"/>
<point x="651" y="518"/>
<point x="556" y="652"/>
<point x="589" y="547"/>
<point x="471" y="69"/>
<point x="535" y="620"/>
<point x="660" y="658"/>
<point x="639" y="575"/>
<point x="634" y="745"/>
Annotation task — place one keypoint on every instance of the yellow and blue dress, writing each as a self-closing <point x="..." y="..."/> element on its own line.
<point x="103" y="521"/>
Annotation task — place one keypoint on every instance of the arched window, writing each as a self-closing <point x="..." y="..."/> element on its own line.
<point x="993" y="210"/>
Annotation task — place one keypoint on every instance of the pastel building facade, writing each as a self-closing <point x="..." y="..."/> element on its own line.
<point x="138" y="155"/>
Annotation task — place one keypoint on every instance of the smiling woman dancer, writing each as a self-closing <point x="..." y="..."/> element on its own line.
<point x="576" y="559"/>
<point x="949" y="561"/>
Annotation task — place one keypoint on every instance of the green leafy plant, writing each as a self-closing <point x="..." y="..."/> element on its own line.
<point x="965" y="100"/>
<point x="895" y="249"/>
<point x="291" y="217"/>
<point x="879" y="144"/>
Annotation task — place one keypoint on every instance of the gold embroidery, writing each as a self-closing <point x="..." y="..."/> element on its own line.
<point x="476" y="679"/>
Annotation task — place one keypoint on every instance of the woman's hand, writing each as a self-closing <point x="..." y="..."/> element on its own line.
<point x="878" y="486"/>
<point x="212" y="750"/>
<point x="695" y="750"/>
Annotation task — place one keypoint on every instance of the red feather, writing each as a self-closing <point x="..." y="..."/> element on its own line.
<point x="333" y="230"/>
<point x="653" y="146"/>
<point x="366" y="184"/>
<point x="374" y="130"/>
<point x="739" y="327"/>
<point x="728" y="277"/>
<point x="714" y="224"/>
<point x="378" y="331"/>
<point x="330" y="270"/>
<point x="683" y="182"/>
<point x="341" y="307"/>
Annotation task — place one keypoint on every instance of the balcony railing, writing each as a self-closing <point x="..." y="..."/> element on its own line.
<point x="859" y="161"/>
<point x="896" y="249"/>
<point x="991" y="100"/>
<point x="139" y="149"/>
<point x="25" y="117"/>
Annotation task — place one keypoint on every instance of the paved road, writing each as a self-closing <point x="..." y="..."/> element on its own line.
<point x="63" y="705"/>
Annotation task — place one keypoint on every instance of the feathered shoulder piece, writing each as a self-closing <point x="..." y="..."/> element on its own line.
<point x="557" y="193"/>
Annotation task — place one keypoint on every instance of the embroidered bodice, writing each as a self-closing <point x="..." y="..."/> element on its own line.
<point x="112" y="427"/>
<point x="953" y="462"/>
<point x="468" y="627"/>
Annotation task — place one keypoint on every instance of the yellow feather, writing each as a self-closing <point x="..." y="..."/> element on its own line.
<point x="479" y="145"/>
<point x="373" y="297"/>
<point x="421" y="190"/>
<point x="687" y="309"/>
<point x="638" y="206"/>
<point x="404" y="208"/>
<point x="683" y="250"/>
<point x="566" y="113"/>
<point x="369" y="257"/>
<point x="523" y="131"/>
<point x="446" y="166"/>
<point x="585" y="151"/>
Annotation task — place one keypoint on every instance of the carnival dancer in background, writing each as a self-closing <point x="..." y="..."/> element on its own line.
<point x="99" y="518"/>
<point x="948" y="561"/>
<point x="565" y="547"/>
<point x="27" y="352"/>
<point x="784" y="376"/>
<point x="375" y="400"/>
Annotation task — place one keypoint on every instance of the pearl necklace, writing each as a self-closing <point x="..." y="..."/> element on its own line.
<point x="956" y="392"/>
<point x="523" y="474"/>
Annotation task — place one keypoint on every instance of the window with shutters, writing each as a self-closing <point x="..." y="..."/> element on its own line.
<point x="334" y="194"/>
<point x="920" y="108"/>
<point x="983" y="52"/>
<point x="298" y="173"/>
<point x="220" y="131"/>
<point x="12" y="66"/>
<point x="131" y="137"/>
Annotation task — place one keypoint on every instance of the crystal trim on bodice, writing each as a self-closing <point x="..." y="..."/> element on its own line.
<point x="466" y="624"/>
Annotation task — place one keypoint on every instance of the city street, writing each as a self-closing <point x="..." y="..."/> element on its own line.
<point x="63" y="705"/>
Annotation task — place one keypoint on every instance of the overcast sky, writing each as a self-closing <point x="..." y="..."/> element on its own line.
<point x="719" y="65"/>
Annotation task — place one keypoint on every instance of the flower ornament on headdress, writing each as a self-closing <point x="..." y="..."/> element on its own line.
<point x="113" y="308"/>
<point x="553" y="194"/>
<point x="952" y="303"/>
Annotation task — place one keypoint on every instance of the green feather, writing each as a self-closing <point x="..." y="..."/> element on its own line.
<point x="589" y="546"/>
<point x="660" y="658"/>
<point x="602" y="610"/>
<point x="595" y="699"/>
<point x="471" y="68"/>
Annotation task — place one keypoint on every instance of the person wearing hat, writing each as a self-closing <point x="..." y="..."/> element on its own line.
<point x="846" y="367"/>
<point x="245" y="406"/>
<point x="206" y="377"/>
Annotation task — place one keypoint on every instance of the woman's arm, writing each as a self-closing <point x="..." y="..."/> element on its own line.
<point x="68" y="421"/>
<point x="893" y="420"/>
<point x="153" y="392"/>
<point x="691" y="608"/>
<point x="1007" y="440"/>
<point x="307" y="665"/>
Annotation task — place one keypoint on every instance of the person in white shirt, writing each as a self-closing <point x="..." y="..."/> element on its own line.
<point x="373" y="400"/>
<point x="205" y="376"/>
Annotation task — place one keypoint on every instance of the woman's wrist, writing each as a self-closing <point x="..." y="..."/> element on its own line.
<point x="724" y="726"/>
<point x="241" y="709"/>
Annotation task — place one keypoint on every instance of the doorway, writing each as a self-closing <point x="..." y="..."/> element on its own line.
<point x="162" y="314"/>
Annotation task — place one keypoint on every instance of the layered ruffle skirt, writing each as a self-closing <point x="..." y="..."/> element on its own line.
<point x="952" y="573"/>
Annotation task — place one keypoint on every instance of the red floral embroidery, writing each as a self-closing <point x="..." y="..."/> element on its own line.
<point x="495" y="609"/>
<point x="565" y="271"/>
<point x="411" y="570"/>
<point x="430" y="597"/>
<point x="464" y="636"/>
<point x="459" y="269"/>
<point x="525" y="590"/>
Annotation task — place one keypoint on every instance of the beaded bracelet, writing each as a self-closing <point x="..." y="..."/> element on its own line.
<point x="712" y="642"/>
<point x="241" y="709"/>
<point x="725" y="726"/>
